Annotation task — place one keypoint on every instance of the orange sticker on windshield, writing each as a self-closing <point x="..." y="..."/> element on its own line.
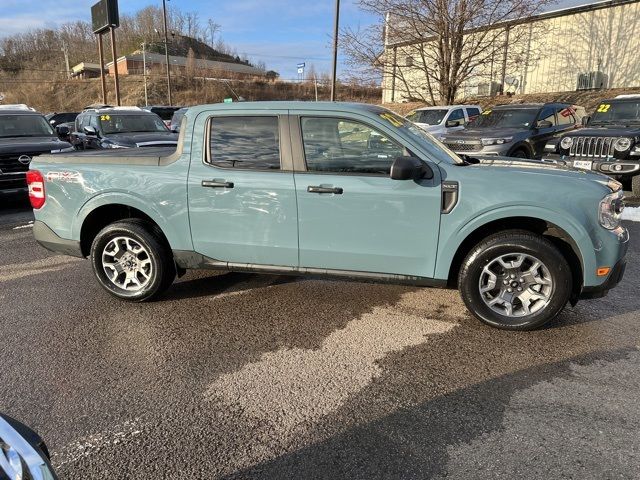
<point x="486" y="112"/>
<point x="104" y="118"/>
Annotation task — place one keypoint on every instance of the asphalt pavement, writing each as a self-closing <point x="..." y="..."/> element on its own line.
<point x="271" y="377"/>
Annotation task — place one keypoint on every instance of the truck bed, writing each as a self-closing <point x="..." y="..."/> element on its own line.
<point x="148" y="156"/>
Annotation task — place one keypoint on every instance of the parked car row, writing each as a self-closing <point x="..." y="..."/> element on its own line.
<point x="607" y="142"/>
<point x="25" y="134"/>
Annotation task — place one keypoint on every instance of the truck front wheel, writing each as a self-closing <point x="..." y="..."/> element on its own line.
<point x="515" y="280"/>
<point x="131" y="261"/>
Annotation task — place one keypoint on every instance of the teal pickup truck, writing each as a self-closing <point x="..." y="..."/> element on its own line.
<point x="340" y="190"/>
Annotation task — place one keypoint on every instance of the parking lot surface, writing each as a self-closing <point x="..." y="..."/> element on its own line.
<point x="256" y="376"/>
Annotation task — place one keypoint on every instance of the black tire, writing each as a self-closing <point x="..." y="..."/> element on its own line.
<point x="162" y="270"/>
<point x="517" y="242"/>
<point x="635" y="186"/>
<point x="519" y="153"/>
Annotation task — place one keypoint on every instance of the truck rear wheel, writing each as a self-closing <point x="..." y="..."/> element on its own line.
<point x="131" y="261"/>
<point x="515" y="280"/>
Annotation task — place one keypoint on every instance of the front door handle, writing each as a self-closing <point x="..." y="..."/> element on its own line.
<point x="320" y="189"/>
<point x="217" y="184"/>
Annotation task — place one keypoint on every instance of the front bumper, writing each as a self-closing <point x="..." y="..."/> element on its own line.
<point x="51" y="241"/>
<point x="13" y="183"/>
<point x="615" y="277"/>
<point x="615" y="167"/>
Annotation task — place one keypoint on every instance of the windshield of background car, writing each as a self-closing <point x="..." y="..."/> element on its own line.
<point x="12" y="126"/>
<point x="114" y="123"/>
<point x="505" y="118"/>
<point x="427" y="141"/>
<point x="617" y="112"/>
<point x="430" y="117"/>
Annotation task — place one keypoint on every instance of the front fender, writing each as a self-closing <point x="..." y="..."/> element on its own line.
<point x="453" y="239"/>
<point x="129" y="199"/>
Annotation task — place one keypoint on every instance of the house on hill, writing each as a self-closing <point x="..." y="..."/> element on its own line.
<point x="134" y="63"/>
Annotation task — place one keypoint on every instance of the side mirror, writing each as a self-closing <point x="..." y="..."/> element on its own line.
<point x="89" y="130"/>
<point x="410" y="168"/>
<point x="454" y="123"/>
<point x="544" y="124"/>
<point x="585" y="120"/>
<point x="63" y="131"/>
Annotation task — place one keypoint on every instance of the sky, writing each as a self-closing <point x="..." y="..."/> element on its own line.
<point x="281" y="33"/>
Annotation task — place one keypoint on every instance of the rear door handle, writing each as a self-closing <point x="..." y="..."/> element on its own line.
<point x="319" y="189"/>
<point x="217" y="184"/>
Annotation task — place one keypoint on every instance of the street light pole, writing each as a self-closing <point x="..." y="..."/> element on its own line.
<point x="335" y="52"/>
<point x="166" y="50"/>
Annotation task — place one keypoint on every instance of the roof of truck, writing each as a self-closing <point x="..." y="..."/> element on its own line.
<point x="289" y="105"/>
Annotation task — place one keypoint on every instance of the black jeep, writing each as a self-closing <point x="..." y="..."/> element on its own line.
<point x="610" y="143"/>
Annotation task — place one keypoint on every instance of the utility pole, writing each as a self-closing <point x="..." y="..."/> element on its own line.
<point x="166" y="50"/>
<point x="144" y="74"/>
<point x="335" y="51"/>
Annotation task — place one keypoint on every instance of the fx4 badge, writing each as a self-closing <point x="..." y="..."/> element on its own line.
<point x="71" y="177"/>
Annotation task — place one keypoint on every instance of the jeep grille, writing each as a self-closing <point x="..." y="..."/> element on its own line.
<point x="600" y="147"/>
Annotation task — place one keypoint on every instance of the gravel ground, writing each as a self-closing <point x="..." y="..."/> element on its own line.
<point x="255" y="376"/>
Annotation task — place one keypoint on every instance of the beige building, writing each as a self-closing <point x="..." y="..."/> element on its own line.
<point x="586" y="47"/>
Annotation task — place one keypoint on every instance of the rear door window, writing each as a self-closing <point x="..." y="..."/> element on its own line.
<point x="566" y="116"/>
<point x="244" y="142"/>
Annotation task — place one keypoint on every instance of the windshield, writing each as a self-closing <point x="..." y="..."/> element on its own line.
<point x="505" y="118"/>
<point x="617" y="112"/>
<point x="131" y="123"/>
<point x="430" y="117"/>
<point x="24" y="126"/>
<point x="420" y="136"/>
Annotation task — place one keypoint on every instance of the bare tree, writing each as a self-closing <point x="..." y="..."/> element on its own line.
<point x="192" y="24"/>
<point x="431" y="48"/>
<point x="212" y="29"/>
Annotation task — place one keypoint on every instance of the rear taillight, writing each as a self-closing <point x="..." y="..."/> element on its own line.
<point x="35" y="181"/>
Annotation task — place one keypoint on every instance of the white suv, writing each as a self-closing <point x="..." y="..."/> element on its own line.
<point x="439" y="121"/>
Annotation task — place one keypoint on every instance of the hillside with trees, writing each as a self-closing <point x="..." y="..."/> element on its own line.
<point x="41" y="52"/>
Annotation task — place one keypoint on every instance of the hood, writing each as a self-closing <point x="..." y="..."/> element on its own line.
<point x="143" y="139"/>
<point x="606" y="131"/>
<point x="31" y="145"/>
<point x="471" y="132"/>
<point x="431" y="128"/>
<point x="537" y="167"/>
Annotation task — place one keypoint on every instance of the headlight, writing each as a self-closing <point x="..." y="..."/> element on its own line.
<point x="622" y="144"/>
<point x="64" y="150"/>
<point x="495" y="141"/>
<point x="566" y="143"/>
<point x="611" y="208"/>
<point x="112" y="145"/>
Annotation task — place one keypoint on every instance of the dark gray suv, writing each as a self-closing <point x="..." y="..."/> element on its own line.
<point x="515" y="130"/>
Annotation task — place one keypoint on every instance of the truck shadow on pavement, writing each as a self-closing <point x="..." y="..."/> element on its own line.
<point x="423" y="441"/>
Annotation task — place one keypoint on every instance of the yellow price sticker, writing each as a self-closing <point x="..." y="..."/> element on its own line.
<point x="391" y="119"/>
<point x="486" y="112"/>
<point x="604" y="108"/>
<point x="105" y="118"/>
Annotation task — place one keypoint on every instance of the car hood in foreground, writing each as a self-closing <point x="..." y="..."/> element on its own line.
<point x="537" y="167"/>
<point x="31" y="145"/>
<point x="469" y="133"/>
<point x="606" y="131"/>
